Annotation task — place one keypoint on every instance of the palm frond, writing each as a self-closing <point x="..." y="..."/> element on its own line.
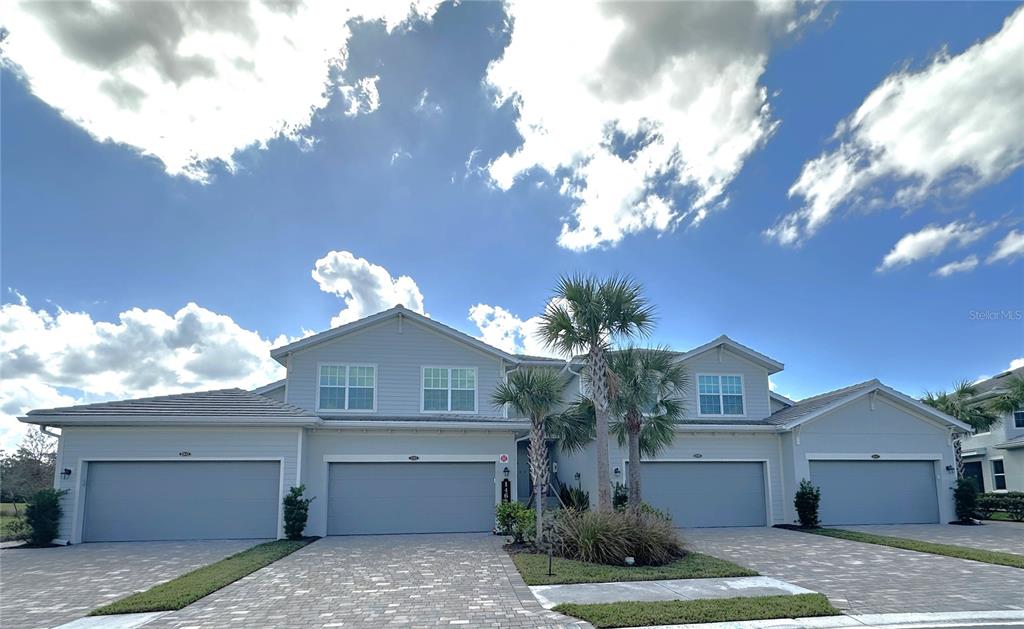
<point x="1012" y="400"/>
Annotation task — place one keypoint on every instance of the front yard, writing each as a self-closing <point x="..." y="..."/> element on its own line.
<point x="534" y="569"/>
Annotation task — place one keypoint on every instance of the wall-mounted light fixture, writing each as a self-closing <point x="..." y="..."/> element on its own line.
<point x="950" y="468"/>
<point x="505" y="472"/>
<point x="65" y="474"/>
<point x="576" y="476"/>
<point x="617" y="472"/>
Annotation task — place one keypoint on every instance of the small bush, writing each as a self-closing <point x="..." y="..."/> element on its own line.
<point x="16" y="529"/>
<point x="42" y="516"/>
<point x="988" y="504"/>
<point x="1015" y="506"/>
<point x="574" y="497"/>
<point x="296" y="512"/>
<point x="517" y="521"/>
<point x="608" y="538"/>
<point x="620" y="497"/>
<point x="965" y="497"/>
<point x="806" y="501"/>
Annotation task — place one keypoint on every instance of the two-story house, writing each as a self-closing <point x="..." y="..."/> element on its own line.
<point x="388" y="423"/>
<point x="995" y="459"/>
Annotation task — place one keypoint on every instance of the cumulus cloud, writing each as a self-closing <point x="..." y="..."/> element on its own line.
<point x="930" y="242"/>
<point x="635" y="106"/>
<point x="365" y="287"/>
<point x="504" y="330"/>
<point x="48" y="355"/>
<point x="1010" y="247"/>
<point x="192" y="83"/>
<point x="954" y="126"/>
<point x="1017" y="363"/>
<point x="959" y="266"/>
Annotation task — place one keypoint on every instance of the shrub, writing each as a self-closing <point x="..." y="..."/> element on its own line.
<point x="16" y="529"/>
<point x="806" y="501"/>
<point x="620" y="497"/>
<point x="989" y="504"/>
<point x="42" y="516"/>
<point x="517" y="521"/>
<point x="574" y="497"/>
<point x="1015" y="506"/>
<point x="610" y="537"/>
<point x="965" y="497"/>
<point x="296" y="512"/>
<point x="1012" y="502"/>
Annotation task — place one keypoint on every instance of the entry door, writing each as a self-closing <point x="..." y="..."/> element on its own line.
<point x="973" y="472"/>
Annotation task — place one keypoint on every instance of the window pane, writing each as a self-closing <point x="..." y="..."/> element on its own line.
<point x="360" y="398"/>
<point x="708" y="384"/>
<point x="732" y="404"/>
<point x="435" y="399"/>
<point x="1018" y="419"/>
<point x="332" y="375"/>
<point x="463" y="379"/>
<point x="435" y="378"/>
<point x="710" y="405"/>
<point x="332" y="398"/>
<point x="732" y="385"/>
<point x="997" y="467"/>
<point x="360" y="376"/>
<point x="463" y="400"/>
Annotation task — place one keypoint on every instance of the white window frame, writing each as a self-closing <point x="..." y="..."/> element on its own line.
<point x="1014" y="415"/>
<point x="346" y="409"/>
<point x="743" y="394"/>
<point x="992" y="469"/>
<point x="448" y="368"/>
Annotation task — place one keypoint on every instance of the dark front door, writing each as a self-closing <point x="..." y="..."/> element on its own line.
<point x="972" y="472"/>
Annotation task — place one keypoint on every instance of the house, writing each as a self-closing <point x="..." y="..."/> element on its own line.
<point x="387" y="421"/>
<point x="995" y="459"/>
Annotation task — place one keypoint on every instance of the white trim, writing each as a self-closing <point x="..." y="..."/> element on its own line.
<point x="737" y="349"/>
<point x="476" y="390"/>
<point x="924" y="412"/>
<point x="298" y="458"/>
<point x="170" y="420"/>
<point x="721" y="395"/>
<point x="871" y="456"/>
<point x="992" y="471"/>
<point x="347" y="366"/>
<point x="425" y="424"/>
<point x="78" y="516"/>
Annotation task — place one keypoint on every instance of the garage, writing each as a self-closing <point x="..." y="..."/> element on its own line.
<point x="707" y="494"/>
<point x="876" y="492"/>
<point x="413" y="497"/>
<point x="178" y="500"/>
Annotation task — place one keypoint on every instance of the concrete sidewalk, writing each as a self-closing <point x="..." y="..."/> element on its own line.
<point x="667" y="590"/>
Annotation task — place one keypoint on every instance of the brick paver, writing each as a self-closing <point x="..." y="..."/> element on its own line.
<point x="866" y="578"/>
<point x="46" y="587"/>
<point x="373" y="581"/>
<point x="1007" y="537"/>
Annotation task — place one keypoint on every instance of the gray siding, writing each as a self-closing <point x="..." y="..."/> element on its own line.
<point x="1013" y="460"/>
<point x="275" y="394"/>
<point x="399" y="357"/>
<point x="755" y="381"/>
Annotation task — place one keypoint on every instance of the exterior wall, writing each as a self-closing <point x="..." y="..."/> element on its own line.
<point x="324" y="445"/>
<point x="399" y="351"/>
<point x="1013" y="460"/>
<point x="755" y="381"/>
<point x="79" y="445"/>
<point x="776" y="405"/>
<point x="857" y="431"/>
<point x="275" y="394"/>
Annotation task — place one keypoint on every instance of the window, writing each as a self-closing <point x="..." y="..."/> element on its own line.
<point x="998" y="474"/>
<point x="720" y="395"/>
<point x="449" y="389"/>
<point x="346" y="388"/>
<point x="1018" y="419"/>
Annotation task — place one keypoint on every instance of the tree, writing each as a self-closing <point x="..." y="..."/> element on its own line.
<point x="586" y="316"/>
<point x="30" y="468"/>
<point x="534" y="393"/>
<point x="1012" y="400"/>
<point x="957" y="404"/>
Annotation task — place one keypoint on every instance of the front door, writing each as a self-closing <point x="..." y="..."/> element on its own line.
<point x="972" y="472"/>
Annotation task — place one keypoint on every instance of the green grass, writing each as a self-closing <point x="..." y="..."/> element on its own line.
<point x="949" y="550"/>
<point x="1001" y="516"/>
<point x="633" y="614"/>
<point x="8" y="515"/>
<point x="192" y="586"/>
<point x="534" y="568"/>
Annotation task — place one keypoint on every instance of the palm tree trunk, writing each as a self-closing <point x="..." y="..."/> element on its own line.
<point x="633" y="426"/>
<point x="599" y="381"/>
<point x="539" y="472"/>
<point x="958" y="454"/>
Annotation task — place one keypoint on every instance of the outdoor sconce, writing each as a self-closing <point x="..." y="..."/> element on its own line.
<point x="505" y="472"/>
<point x="576" y="476"/>
<point x="950" y="468"/>
<point x="65" y="474"/>
<point x="617" y="472"/>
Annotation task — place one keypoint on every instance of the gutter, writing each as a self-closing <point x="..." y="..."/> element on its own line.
<point x="350" y="424"/>
<point x="170" y="420"/>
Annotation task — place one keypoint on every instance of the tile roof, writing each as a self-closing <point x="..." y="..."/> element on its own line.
<point x="809" y="405"/>
<point x="219" y="403"/>
<point x="998" y="381"/>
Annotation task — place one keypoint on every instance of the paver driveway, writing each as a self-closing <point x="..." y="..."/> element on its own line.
<point x="46" y="587"/>
<point x="1007" y="537"/>
<point x="866" y="578"/>
<point x="372" y="581"/>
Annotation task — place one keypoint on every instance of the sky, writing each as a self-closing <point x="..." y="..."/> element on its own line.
<point x="185" y="186"/>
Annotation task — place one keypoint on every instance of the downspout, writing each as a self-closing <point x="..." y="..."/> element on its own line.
<point x="57" y="467"/>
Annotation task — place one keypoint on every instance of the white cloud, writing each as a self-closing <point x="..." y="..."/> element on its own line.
<point x="1010" y="247"/>
<point x="427" y="106"/>
<point x="367" y="288"/>
<point x="145" y="352"/>
<point x="637" y="104"/>
<point x="504" y="330"/>
<point x="959" y="266"/>
<point x="956" y="125"/>
<point x="930" y="242"/>
<point x="1017" y="363"/>
<point x="191" y="83"/>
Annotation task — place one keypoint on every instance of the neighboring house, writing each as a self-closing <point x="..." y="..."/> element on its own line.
<point x="995" y="459"/>
<point x="388" y="423"/>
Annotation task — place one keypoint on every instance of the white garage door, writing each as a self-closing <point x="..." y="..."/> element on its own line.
<point x="876" y="492"/>
<point x="706" y="494"/>
<point x="176" y="500"/>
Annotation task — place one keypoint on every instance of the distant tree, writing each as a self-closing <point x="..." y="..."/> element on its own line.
<point x="957" y="404"/>
<point x="30" y="468"/>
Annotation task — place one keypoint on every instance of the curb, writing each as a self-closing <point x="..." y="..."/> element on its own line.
<point x="894" y="621"/>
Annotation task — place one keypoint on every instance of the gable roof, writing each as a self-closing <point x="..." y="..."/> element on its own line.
<point x="778" y="397"/>
<point x="271" y="386"/>
<point x="807" y="409"/>
<point x="772" y="365"/>
<point x="280" y="353"/>
<point x="996" y="384"/>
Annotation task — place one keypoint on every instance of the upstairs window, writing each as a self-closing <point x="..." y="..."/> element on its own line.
<point x="1018" y="419"/>
<point x="347" y="388"/>
<point x="720" y="395"/>
<point x="449" y="389"/>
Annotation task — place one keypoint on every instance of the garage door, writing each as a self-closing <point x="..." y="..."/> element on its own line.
<point x="374" y="498"/>
<point x="707" y="494"/>
<point x="171" y="500"/>
<point x="876" y="492"/>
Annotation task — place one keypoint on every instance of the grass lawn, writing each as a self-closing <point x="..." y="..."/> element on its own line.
<point x="192" y="586"/>
<point x="1001" y="516"/>
<point x="634" y="614"/>
<point x="534" y="568"/>
<point x="949" y="550"/>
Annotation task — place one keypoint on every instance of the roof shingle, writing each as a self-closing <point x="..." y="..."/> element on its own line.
<point x="219" y="403"/>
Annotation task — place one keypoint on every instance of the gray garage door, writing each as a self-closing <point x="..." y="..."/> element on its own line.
<point x="707" y="494"/>
<point x="170" y="500"/>
<point x="373" y="498"/>
<point x="876" y="492"/>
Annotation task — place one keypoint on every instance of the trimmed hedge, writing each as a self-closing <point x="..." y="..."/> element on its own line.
<point x="1012" y="502"/>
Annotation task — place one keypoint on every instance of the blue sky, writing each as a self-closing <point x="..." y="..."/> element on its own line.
<point x="406" y="178"/>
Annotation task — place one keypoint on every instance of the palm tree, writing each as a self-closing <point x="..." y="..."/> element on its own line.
<point x="534" y="393"/>
<point x="586" y="316"/>
<point x="1012" y="400"/>
<point x="957" y="404"/>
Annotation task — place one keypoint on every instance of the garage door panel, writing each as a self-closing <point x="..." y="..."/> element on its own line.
<point x="386" y="498"/>
<point x="876" y="492"/>
<point x="707" y="494"/>
<point x="176" y="500"/>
